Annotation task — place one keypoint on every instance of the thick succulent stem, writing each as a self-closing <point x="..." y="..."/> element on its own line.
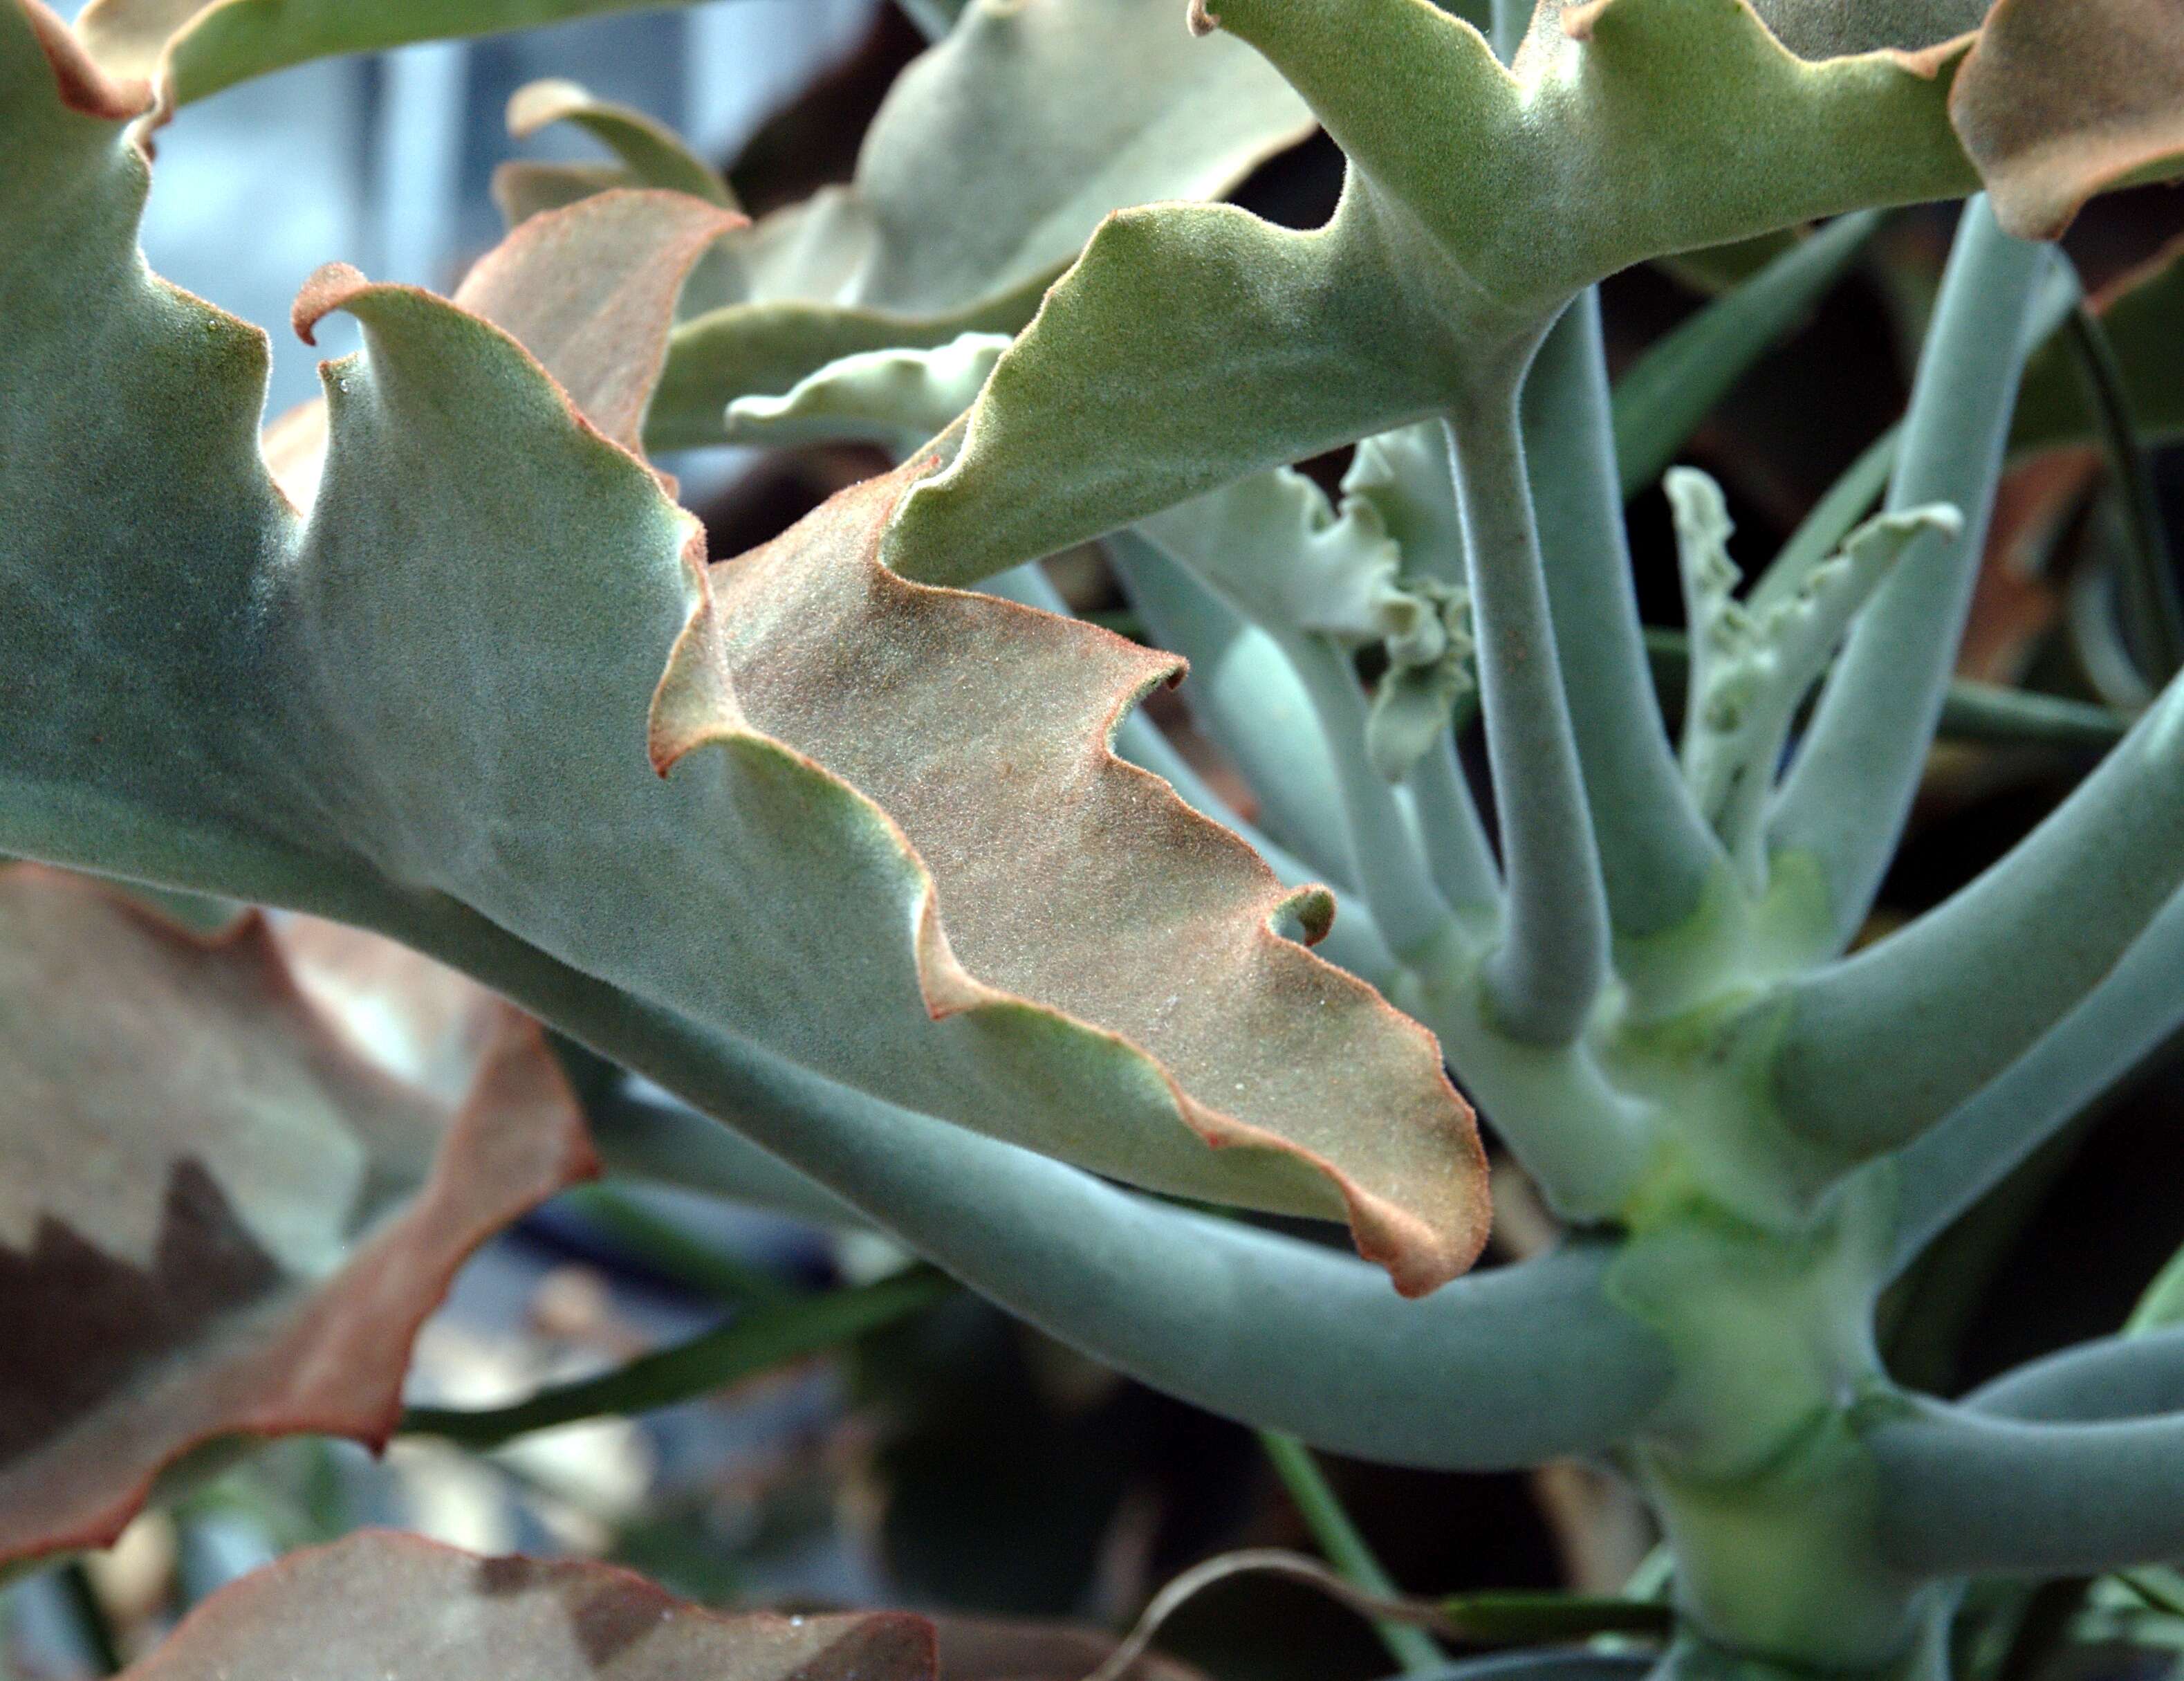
<point x="1850" y="788"/>
<point x="2100" y="1382"/>
<point x="1967" y="1493"/>
<point x="2120" y="1022"/>
<point x="1656" y="852"/>
<point x="1881" y="1045"/>
<point x="1209" y="1309"/>
<point x="1545" y="976"/>
<point x="1397" y="885"/>
<point x="1456" y="849"/>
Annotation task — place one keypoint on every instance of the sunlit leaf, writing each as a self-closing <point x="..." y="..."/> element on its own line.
<point x="218" y="1218"/>
<point x="380" y="1606"/>
<point x="199" y="46"/>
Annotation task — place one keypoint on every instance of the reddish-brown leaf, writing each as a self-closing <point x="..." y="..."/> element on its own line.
<point x="2061" y="99"/>
<point x="380" y="1606"/>
<point x="218" y="1218"/>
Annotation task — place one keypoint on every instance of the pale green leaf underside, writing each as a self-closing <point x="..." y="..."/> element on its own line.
<point x="437" y="683"/>
<point x="993" y="159"/>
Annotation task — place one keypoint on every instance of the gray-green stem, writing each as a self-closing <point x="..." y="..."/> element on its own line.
<point x="1546" y="975"/>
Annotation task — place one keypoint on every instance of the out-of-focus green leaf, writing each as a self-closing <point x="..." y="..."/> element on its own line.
<point x="762" y="1340"/>
<point x="2139" y="311"/>
<point x="1190" y="347"/>
<point x="894" y="805"/>
<point x="993" y="159"/>
<point x="653" y="155"/>
<point x="199" y="46"/>
<point x="218" y="1217"/>
<point x="1662" y="397"/>
<point x="381" y="1606"/>
<point x="1972" y="711"/>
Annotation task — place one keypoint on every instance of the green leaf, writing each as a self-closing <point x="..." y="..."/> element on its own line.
<point x="1971" y="710"/>
<point x="395" y="1607"/>
<point x="1190" y="347"/>
<point x="2139" y="311"/>
<point x="759" y="1341"/>
<point x="898" y="398"/>
<point x="895" y="806"/>
<point x="1662" y="397"/>
<point x="994" y="157"/>
<point x="219" y="1217"/>
<point x="196" y="48"/>
<point x="653" y="155"/>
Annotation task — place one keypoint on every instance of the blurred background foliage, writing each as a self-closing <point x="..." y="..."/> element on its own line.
<point x="950" y="1458"/>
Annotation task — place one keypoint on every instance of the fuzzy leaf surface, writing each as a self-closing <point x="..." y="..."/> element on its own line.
<point x="218" y="1218"/>
<point x="436" y="685"/>
<point x="380" y="1606"/>
<point x="2056" y="104"/>
<point x="1184" y="351"/>
<point x="991" y="161"/>
<point x="652" y="154"/>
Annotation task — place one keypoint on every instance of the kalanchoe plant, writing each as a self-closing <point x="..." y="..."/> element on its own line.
<point x="868" y="869"/>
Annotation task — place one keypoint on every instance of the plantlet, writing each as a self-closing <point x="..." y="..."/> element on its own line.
<point x="846" y="843"/>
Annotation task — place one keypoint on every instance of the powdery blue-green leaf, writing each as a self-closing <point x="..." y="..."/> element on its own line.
<point x="380" y="1606"/>
<point x="897" y="399"/>
<point x="218" y="1216"/>
<point x="896" y="851"/>
<point x="193" y="48"/>
<point x="1188" y="348"/>
<point x="994" y="157"/>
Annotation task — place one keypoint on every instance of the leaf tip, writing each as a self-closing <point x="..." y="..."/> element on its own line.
<point x="329" y="286"/>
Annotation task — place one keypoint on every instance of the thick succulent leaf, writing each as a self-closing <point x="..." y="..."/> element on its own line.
<point x="590" y="291"/>
<point x="199" y="46"/>
<point x="380" y="1606"/>
<point x="217" y="1219"/>
<point x="652" y="154"/>
<point x="995" y="156"/>
<point x="897" y="399"/>
<point x="1626" y="129"/>
<point x="1045" y="891"/>
<point x="1828" y="28"/>
<point x="1189" y="347"/>
<point x="2139" y="312"/>
<point x="2056" y="103"/>
<point x="521" y="190"/>
<point x="437" y="683"/>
